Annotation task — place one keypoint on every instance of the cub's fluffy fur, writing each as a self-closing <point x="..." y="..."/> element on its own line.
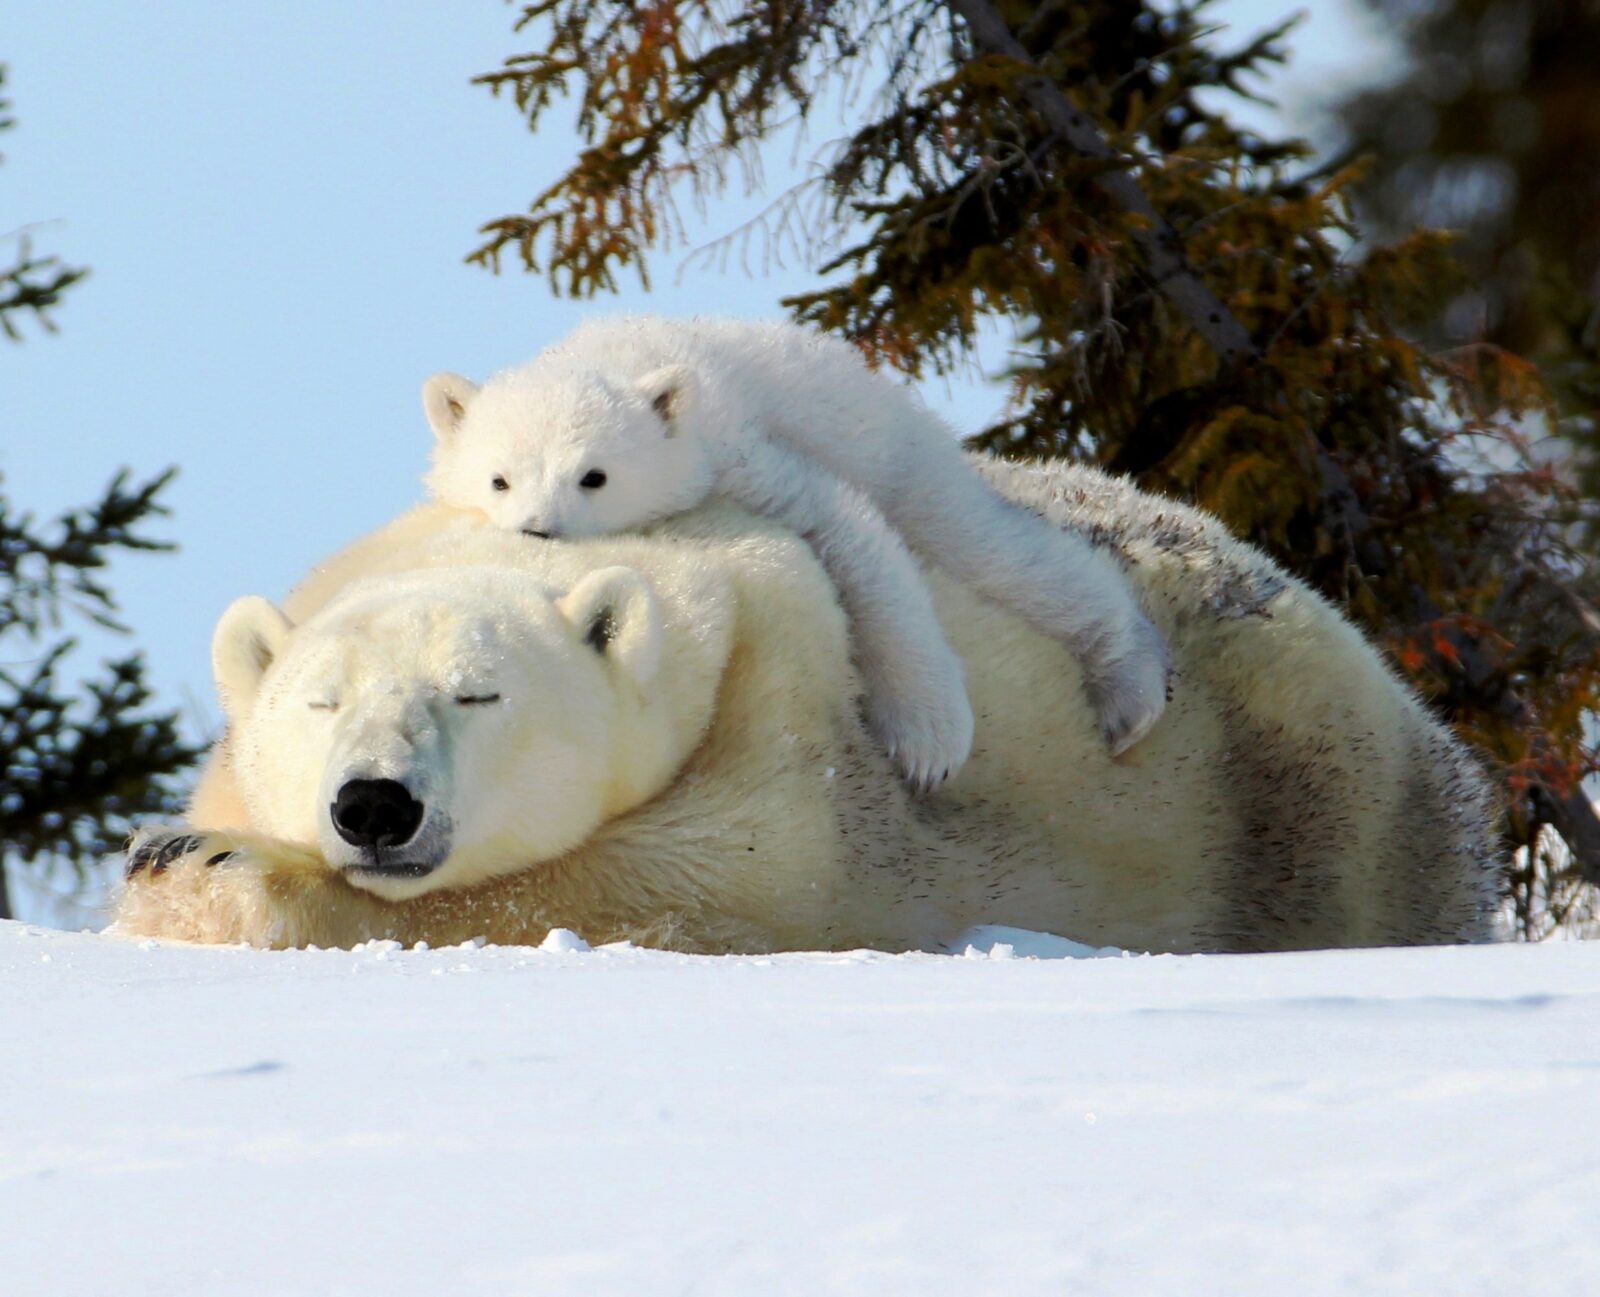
<point x="632" y="420"/>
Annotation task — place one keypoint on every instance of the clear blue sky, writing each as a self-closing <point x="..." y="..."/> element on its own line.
<point x="274" y="200"/>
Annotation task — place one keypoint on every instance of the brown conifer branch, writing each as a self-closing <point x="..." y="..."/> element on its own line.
<point x="1160" y="244"/>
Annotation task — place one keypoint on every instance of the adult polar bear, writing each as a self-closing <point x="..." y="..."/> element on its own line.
<point x="676" y="758"/>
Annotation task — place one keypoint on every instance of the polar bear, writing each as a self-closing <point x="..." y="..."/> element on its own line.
<point x="632" y="419"/>
<point x="450" y="733"/>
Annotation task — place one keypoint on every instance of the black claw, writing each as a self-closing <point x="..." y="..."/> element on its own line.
<point x="220" y="858"/>
<point x="175" y="849"/>
<point x="141" y="856"/>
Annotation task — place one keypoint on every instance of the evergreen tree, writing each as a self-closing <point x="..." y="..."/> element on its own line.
<point x="1183" y="296"/>
<point x="1492" y="130"/>
<point x="78" y="760"/>
<point x="29" y="285"/>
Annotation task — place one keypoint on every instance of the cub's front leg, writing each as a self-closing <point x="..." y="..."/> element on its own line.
<point x="916" y="693"/>
<point x="221" y="886"/>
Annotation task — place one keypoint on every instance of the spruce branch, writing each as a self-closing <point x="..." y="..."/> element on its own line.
<point x="1160" y="244"/>
<point x="32" y="285"/>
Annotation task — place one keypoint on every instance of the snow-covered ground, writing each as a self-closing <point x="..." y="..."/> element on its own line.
<point x="180" y="1120"/>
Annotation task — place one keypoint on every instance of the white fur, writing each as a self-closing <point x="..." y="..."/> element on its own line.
<point x="701" y="779"/>
<point x="794" y="425"/>
<point x="423" y="682"/>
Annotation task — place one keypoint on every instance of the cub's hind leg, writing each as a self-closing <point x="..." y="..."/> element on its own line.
<point x="1056" y="579"/>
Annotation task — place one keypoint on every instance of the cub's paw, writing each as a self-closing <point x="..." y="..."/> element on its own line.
<point x="1130" y="693"/>
<point x="152" y="852"/>
<point x="928" y="730"/>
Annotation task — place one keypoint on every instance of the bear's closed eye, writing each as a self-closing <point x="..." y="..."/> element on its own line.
<point x="474" y="700"/>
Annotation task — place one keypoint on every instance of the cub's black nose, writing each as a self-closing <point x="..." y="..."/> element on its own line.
<point x="376" y="813"/>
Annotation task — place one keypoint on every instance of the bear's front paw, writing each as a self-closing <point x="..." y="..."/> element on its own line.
<point x="1130" y="693"/>
<point x="220" y="885"/>
<point x="192" y="884"/>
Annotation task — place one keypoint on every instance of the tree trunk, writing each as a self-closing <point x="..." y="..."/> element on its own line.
<point x="5" y="896"/>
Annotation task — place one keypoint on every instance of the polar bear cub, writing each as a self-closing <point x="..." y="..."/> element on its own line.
<point x="633" y="419"/>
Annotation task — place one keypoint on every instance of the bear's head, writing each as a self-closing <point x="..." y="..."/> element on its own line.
<point x="441" y="727"/>
<point x="550" y="450"/>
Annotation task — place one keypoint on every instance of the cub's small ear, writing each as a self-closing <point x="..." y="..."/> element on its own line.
<point x="248" y="639"/>
<point x="615" y="614"/>
<point x="670" y="391"/>
<point x="445" y="398"/>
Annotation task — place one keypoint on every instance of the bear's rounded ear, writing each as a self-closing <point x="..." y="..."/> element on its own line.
<point x="248" y="639"/>
<point x="445" y="398"/>
<point x="615" y="614"/>
<point x="670" y="392"/>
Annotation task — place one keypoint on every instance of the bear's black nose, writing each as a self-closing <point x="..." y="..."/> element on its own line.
<point x="376" y="813"/>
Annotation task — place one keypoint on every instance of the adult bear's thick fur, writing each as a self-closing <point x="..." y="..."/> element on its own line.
<point x="1294" y="795"/>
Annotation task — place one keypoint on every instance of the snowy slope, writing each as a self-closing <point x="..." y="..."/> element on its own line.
<point x="180" y="1120"/>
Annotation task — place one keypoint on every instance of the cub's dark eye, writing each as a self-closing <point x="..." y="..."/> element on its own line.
<point x="476" y="700"/>
<point x="325" y="705"/>
<point x="593" y="480"/>
<point x="499" y="483"/>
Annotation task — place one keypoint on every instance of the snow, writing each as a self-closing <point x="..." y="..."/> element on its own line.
<point x="509" y="1120"/>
